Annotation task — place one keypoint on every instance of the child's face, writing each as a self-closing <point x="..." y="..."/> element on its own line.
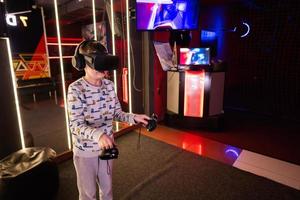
<point x="94" y="74"/>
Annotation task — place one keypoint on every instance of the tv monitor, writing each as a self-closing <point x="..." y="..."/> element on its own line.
<point x="194" y="56"/>
<point x="167" y="14"/>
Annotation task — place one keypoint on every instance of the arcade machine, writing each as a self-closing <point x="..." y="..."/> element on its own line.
<point x="195" y="91"/>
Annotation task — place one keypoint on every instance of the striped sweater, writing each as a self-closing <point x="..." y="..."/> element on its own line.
<point x="92" y="110"/>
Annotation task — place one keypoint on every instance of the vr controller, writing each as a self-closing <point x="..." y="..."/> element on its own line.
<point x="108" y="154"/>
<point x="113" y="153"/>
<point x="152" y="123"/>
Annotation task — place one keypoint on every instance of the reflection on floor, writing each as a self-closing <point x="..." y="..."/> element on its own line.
<point x="45" y="121"/>
<point x="280" y="171"/>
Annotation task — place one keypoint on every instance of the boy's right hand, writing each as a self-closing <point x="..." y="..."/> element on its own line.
<point x="106" y="142"/>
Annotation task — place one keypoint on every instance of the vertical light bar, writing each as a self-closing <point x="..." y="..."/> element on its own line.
<point x="13" y="78"/>
<point x="94" y="20"/>
<point x="125" y="84"/>
<point x="194" y="93"/>
<point x="128" y="57"/>
<point x="62" y="72"/>
<point x="113" y="40"/>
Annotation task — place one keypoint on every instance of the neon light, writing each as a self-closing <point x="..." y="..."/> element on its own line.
<point x="24" y="20"/>
<point x="194" y="93"/>
<point x="63" y="44"/>
<point x="248" y="29"/>
<point x="94" y="20"/>
<point x="11" y="20"/>
<point x="58" y="57"/>
<point x="232" y="151"/>
<point x="113" y="41"/>
<point x="12" y="73"/>
<point x="18" y="13"/>
<point x="128" y="51"/>
<point x="62" y="72"/>
<point x="125" y="84"/>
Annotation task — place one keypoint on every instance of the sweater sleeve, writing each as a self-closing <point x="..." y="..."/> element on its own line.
<point x="77" y="121"/>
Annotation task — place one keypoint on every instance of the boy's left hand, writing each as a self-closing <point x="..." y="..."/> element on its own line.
<point x="141" y="118"/>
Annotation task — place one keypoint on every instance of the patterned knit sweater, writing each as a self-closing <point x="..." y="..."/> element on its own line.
<point x="92" y="110"/>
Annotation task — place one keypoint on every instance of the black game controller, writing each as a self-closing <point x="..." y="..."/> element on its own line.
<point x="108" y="154"/>
<point x="152" y="122"/>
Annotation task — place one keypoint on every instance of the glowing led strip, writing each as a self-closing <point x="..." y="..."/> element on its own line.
<point x="58" y="57"/>
<point x="233" y="151"/>
<point x="18" y="13"/>
<point x="248" y="29"/>
<point x="128" y="51"/>
<point x="113" y="40"/>
<point x="62" y="73"/>
<point x="63" y="44"/>
<point x="12" y="73"/>
<point x="94" y="20"/>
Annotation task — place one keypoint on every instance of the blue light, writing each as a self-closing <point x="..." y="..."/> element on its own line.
<point x="208" y="35"/>
<point x="232" y="152"/>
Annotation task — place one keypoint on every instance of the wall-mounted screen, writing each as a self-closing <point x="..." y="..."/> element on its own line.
<point x="194" y="56"/>
<point x="167" y="14"/>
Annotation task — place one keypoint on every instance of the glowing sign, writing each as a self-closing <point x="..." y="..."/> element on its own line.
<point x="11" y="20"/>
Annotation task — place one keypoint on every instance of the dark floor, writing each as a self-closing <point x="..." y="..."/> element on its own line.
<point x="261" y="134"/>
<point x="160" y="171"/>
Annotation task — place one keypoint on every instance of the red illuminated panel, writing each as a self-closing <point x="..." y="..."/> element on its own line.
<point x="194" y="93"/>
<point x="125" y="84"/>
<point x="64" y="40"/>
<point x="185" y="56"/>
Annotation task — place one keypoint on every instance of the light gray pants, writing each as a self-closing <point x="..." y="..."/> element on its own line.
<point x="90" y="173"/>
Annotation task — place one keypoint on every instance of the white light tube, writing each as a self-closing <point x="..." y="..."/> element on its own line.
<point x="128" y="51"/>
<point x="62" y="73"/>
<point x="13" y="78"/>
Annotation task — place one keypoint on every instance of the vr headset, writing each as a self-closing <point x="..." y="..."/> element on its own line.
<point x="99" y="60"/>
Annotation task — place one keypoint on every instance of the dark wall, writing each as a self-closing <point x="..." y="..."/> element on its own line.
<point x="263" y="74"/>
<point x="264" y="68"/>
<point x="3" y="31"/>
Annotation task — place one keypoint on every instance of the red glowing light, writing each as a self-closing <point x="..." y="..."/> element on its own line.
<point x="194" y="93"/>
<point x="125" y="84"/>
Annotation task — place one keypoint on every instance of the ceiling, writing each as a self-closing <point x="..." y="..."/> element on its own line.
<point x="72" y="11"/>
